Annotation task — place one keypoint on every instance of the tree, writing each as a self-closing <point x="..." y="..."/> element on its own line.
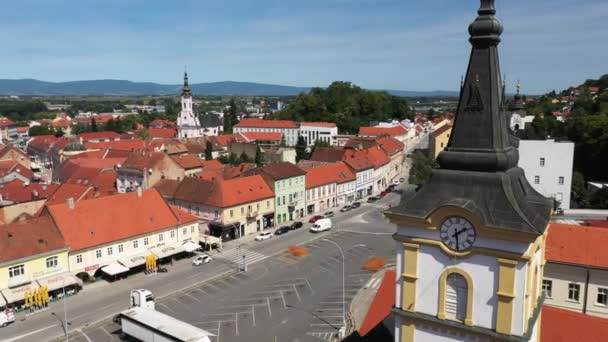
<point x="230" y="117"/>
<point x="40" y="130"/>
<point x="93" y="125"/>
<point x="258" y="156"/>
<point x="599" y="200"/>
<point x="422" y="167"/>
<point x="144" y="134"/>
<point x="301" y="148"/>
<point x="580" y="195"/>
<point x="244" y="158"/>
<point x="208" y="150"/>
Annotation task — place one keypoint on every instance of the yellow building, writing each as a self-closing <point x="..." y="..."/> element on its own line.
<point x="439" y="139"/>
<point x="33" y="254"/>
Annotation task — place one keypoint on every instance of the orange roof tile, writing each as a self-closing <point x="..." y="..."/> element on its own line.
<point x="235" y="171"/>
<point x="373" y="157"/>
<point x="581" y="245"/>
<point x="379" y="131"/>
<point x="4" y="122"/>
<point x="187" y="161"/>
<point x="319" y="124"/>
<point x="123" y="145"/>
<point x="163" y="132"/>
<point x="23" y="129"/>
<point x="63" y="123"/>
<point x="112" y="218"/>
<point x="223" y="193"/>
<point x="183" y="216"/>
<point x="65" y="191"/>
<point x="327" y="174"/>
<point x="382" y="304"/>
<point x="222" y="140"/>
<point x="16" y="191"/>
<point x="213" y="164"/>
<point x="561" y="325"/>
<point x="391" y="145"/>
<point x="22" y="239"/>
<point x="255" y="136"/>
<point x="9" y="166"/>
<point x="260" y="123"/>
<point x="327" y="154"/>
<point x="88" y="136"/>
<point x="143" y="159"/>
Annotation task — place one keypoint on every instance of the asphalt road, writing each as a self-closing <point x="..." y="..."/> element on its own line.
<point x="215" y="286"/>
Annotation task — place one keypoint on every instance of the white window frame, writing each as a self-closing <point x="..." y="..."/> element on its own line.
<point x="16" y="271"/>
<point x="560" y="180"/>
<point x="52" y="262"/>
<point x="110" y="250"/>
<point x="120" y="248"/>
<point x="602" y="296"/>
<point x="574" y="290"/>
<point x="548" y="287"/>
<point x="79" y="259"/>
<point x="98" y="254"/>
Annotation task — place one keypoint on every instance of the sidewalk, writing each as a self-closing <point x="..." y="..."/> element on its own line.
<point x="368" y="305"/>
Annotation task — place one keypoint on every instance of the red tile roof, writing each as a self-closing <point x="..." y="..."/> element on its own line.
<point x="235" y="171"/>
<point x="373" y="157"/>
<point x="381" y="305"/>
<point x="441" y="130"/>
<point x="222" y="141"/>
<point x="596" y="223"/>
<point x="159" y="123"/>
<point x="140" y="160"/>
<point x="23" y="239"/>
<point x="9" y="166"/>
<point x="112" y="218"/>
<point x="379" y="131"/>
<point x="187" y="161"/>
<point x="65" y="191"/>
<point x="282" y="170"/>
<point x="23" y="129"/>
<point x="62" y="123"/>
<point x="4" y="122"/>
<point x="42" y="142"/>
<point x="579" y="245"/>
<point x="98" y="136"/>
<point x="560" y="325"/>
<point x="223" y="193"/>
<point x="16" y="191"/>
<point x="259" y="123"/>
<point x="327" y="154"/>
<point x="79" y="170"/>
<point x="255" y="136"/>
<point x="123" y="145"/>
<point x="163" y="132"/>
<point x="319" y="124"/>
<point x="214" y="164"/>
<point x="391" y="145"/>
<point x="360" y="143"/>
<point x="327" y="174"/>
<point x="377" y="156"/>
<point x="183" y="216"/>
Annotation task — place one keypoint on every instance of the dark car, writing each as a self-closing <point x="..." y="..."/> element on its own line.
<point x="296" y="225"/>
<point x="315" y="218"/>
<point x="384" y="193"/>
<point x="281" y="230"/>
<point x="401" y="180"/>
<point x="329" y="214"/>
<point x="345" y="208"/>
<point x="355" y="205"/>
<point x="372" y="199"/>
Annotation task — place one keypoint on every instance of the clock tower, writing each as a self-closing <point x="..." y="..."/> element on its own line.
<point x="470" y="242"/>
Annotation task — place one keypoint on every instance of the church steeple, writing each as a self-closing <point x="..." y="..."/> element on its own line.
<point x="478" y="168"/>
<point x="186" y="91"/>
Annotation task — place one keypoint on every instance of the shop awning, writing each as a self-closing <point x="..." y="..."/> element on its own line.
<point x="114" y="269"/>
<point x="133" y="260"/>
<point x="16" y="294"/>
<point x="166" y="250"/>
<point x="59" y="280"/>
<point x="190" y="246"/>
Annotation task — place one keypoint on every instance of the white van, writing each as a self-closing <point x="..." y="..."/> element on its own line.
<point x="321" y="225"/>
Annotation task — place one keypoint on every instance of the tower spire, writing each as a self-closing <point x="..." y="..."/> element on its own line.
<point x="487" y="148"/>
<point x="186" y="91"/>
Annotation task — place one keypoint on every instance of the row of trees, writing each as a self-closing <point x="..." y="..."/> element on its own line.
<point x="348" y="105"/>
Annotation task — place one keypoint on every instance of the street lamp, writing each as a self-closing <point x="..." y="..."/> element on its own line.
<point x="343" y="283"/>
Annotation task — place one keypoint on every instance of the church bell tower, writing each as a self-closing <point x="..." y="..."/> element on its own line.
<point x="187" y="123"/>
<point x="470" y="242"/>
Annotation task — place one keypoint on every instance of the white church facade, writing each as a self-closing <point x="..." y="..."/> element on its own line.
<point x="189" y="124"/>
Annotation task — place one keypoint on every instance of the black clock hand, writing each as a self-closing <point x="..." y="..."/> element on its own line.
<point x="457" y="244"/>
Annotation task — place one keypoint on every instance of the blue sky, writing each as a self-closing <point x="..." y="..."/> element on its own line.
<point x="380" y="44"/>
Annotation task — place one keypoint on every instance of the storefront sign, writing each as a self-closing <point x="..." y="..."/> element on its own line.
<point x="90" y="268"/>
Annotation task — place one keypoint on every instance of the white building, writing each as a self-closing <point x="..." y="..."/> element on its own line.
<point x="191" y="125"/>
<point x="319" y="131"/>
<point x="289" y="129"/>
<point x="548" y="167"/>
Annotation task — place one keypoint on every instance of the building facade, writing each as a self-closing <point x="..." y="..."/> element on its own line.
<point x="188" y="125"/>
<point x="548" y="165"/>
<point x="312" y="132"/>
<point x="288" y="183"/>
<point x="288" y="129"/>
<point x="438" y="140"/>
<point x="143" y="169"/>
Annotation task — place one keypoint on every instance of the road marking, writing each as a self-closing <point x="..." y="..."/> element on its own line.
<point x="83" y="334"/>
<point x="297" y="294"/>
<point x="236" y="315"/>
<point x="269" y="310"/>
<point x="253" y="315"/>
<point x="284" y="302"/>
<point x="219" y="325"/>
<point x="29" y="334"/>
<point x="235" y="255"/>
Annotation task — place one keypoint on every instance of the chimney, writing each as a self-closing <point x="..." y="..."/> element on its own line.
<point x="35" y="193"/>
<point x="70" y="203"/>
<point x="139" y="191"/>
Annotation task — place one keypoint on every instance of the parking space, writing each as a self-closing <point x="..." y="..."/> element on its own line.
<point x="274" y="297"/>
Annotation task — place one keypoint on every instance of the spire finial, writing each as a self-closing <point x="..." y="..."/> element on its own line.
<point x="186" y="88"/>
<point x="517" y="86"/>
<point x="486" y="29"/>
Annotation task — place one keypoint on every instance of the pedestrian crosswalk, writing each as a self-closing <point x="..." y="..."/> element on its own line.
<point x="235" y="255"/>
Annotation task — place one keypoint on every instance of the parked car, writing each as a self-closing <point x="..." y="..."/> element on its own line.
<point x="296" y="225"/>
<point x="281" y="230"/>
<point x="355" y="205"/>
<point x="401" y="180"/>
<point x="396" y="182"/>
<point x="200" y="259"/>
<point x="345" y="208"/>
<point x="315" y="218"/>
<point x="372" y="199"/>
<point x="7" y="317"/>
<point x="263" y="236"/>
<point x="329" y="214"/>
<point x="321" y="225"/>
<point x="384" y="193"/>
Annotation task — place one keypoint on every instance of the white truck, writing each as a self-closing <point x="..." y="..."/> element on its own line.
<point x="6" y="317"/>
<point x="144" y="323"/>
<point x="321" y="225"/>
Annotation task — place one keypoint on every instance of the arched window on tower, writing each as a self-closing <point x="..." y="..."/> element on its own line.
<point x="456" y="297"/>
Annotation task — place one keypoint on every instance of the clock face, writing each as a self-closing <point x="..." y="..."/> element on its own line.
<point x="457" y="233"/>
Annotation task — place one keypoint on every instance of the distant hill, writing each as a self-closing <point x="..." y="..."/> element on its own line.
<point x="32" y="87"/>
